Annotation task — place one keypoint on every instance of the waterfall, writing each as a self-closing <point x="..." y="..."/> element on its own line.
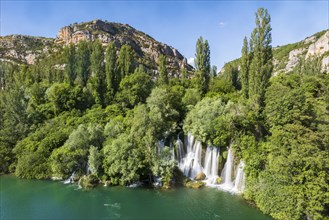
<point x="172" y="149"/>
<point x="207" y="163"/>
<point x="239" y="179"/>
<point x="227" y="172"/>
<point x="70" y="179"/>
<point x="180" y="152"/>
<point x="190" y="164"/>
<point x="237" y="185"/>
<point x="196" y="167"/>
<point x="211" y="165"/>
<point x="160" y="147"/>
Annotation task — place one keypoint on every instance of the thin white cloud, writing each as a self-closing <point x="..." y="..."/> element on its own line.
<point x="190" y="61"/>
<point x="222" y="24"/>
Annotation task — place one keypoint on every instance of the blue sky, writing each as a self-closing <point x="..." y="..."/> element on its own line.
<point x="176" y="23"/>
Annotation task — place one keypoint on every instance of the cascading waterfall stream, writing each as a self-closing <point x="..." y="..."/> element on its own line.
<point x="237" y="185"/>
<point x="239" y="179"/>
<point x="70" y="179"/>
<point x="189" y="160"/>
<point x="211" y="165"/>
<point x="190" y="165"/>
<point x="227" y="171"/>
<point x="180" y="152"/>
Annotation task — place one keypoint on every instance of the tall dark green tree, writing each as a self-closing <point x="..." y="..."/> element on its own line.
<point x="163" y="73"/>
<point x="261" y="65"/>
<point x="231" y="75"/>
<point x="244" y="71"/>
<point x="83" y="63"/>
<point x="202" y="65"/>
<point x="213" y="71"/>
<point x="70" y="68"/>
<point x="111" y="70"/>
<point x="125" y="61"/>
<point x="98" y="74"/>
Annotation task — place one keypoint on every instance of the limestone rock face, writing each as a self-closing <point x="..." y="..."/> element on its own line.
<point x="294" y="58"/>
<point x="325" y="64"/>
<point x="146" y="48"/>
<point x="287" y="57"/>
<point x="319" y="47"/>
<point x="23" y="49"/>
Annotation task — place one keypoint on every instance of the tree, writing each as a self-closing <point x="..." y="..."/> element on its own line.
<point x="83" y="63"/>
<point x="202" y="65"/>
<point x="123" y="161"/>
<point x="94" y="160"/>
<point x="125" y="62"/>
<point x="213" y="72"/>
<point x="163" y="111"/>
<point x="70" y="68"/>
<point x="261" y="65"/>
<point x="244" y="72"/>
<point x="163" y="74"/>
<point x="135" y="88"/>
<point x="98" y="74"/>
<point x="111" y="70"/>
<point x="231" y="75"/>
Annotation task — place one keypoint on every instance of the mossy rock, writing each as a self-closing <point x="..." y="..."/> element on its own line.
<point x="219" y="180"/>
<point x="88" y="182"/>
<point x="200" y="176"/>
<point x="195" y="184"/>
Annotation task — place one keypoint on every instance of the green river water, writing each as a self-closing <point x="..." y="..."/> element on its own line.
<point x="35" y="199"/>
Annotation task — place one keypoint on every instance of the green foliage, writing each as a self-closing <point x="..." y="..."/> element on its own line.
<point x="202" y="65"/>
<point x="63" y="97"/>
<point x="292" y="106"/>
<point x="261" y="65"/>
<point x="94" y="160"/>
<point x="125" y="61"/>
<point x="111" y="70"/>
<point x="83" y="63"/>
<point x="164" y="166"/>
<point x="244" y="72"/>
<point x="204" y="117"/>
<point x="162" y="104"/>
<point x="231" y="75"/>
<point x="163" y="73"/>
<point x="122" y="161"/>
<point x="70" y="68"/>
<point x="191" y="98"/>
<point x="73" y="155"/>
<point x="135" y="88"/>
<point x="97" y="82"/>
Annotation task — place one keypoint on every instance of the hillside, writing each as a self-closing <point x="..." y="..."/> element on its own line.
<point x="287" y="57"/>
<point x="27" y="49"/>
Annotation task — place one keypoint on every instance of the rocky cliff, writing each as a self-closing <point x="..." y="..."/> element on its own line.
<point x="27" y="49"/>
<point x="286" y="58"/>
<point x="23" y="49"/>
<point x="146" y="48"/>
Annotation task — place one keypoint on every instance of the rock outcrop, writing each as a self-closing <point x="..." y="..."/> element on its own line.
<point x="287" y="57"/>
<point x="146" y="48"/>
<point x="23" y="49"/>
<point x="28" y="49"/>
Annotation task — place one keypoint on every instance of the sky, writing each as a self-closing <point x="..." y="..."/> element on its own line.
<point x="177" y="23"/>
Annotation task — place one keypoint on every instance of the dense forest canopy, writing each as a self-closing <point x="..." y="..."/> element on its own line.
<point x="89" y="110"/>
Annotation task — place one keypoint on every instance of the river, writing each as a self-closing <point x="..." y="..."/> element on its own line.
<point x="41" y="199"/>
